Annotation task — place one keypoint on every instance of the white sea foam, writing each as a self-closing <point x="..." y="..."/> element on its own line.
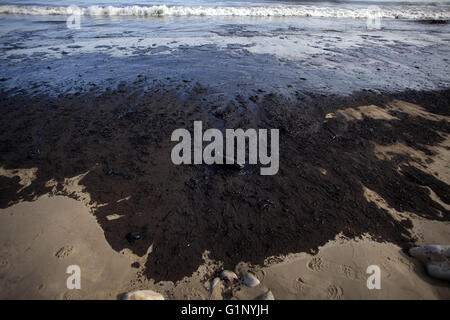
<point x="386" y="12"/>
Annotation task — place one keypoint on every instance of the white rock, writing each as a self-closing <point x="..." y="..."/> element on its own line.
<point x="266" y="296"/>
<point x="228" y="275"/>
<point x="250" y="280"/>
<point x="439" y="270"/>
<point x="216" y="289"/>
<point x="436" y="259"/>
<point x="143" y="295"/>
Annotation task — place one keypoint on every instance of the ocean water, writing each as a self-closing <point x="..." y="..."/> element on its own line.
<point x="245" y="8"/>
<point x="232" y="46"/>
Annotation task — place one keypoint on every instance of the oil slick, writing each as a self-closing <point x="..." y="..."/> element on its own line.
<point x="235" y="139"/>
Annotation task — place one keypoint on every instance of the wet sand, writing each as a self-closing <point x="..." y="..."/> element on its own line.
<point x="372" y="165"/>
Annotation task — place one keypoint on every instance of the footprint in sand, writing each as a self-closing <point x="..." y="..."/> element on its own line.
<point x="4" y="263"/>
<point x="75" y="294"/>
<point x="64" y="252"/>
<point x="300" y="284"/>
<point x="335" y="292"/>
<point x="317" y="264"/>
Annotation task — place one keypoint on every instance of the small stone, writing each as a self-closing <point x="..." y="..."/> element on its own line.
<point x="434" y="253"/>
<point x="64" y="252"/>
<point x="436" y="259"/>
<point x="133" y="236"/>
<point x="266" y="296"/>
<point x="439" y="270"/>
<point x="143" y="295"/>
<point x="216" y="289"/>
<point x="228" y="275"/>
<point x="250" y="280"/>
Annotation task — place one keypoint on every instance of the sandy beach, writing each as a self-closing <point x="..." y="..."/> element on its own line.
<point x="64" y="232"/>
<point x="76" y="204"/>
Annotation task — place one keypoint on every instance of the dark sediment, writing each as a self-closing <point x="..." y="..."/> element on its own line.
<point x="123" y="140"/>
<point x="434" y="21"/>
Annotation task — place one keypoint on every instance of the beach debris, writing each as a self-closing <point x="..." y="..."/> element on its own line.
<point x="437" y="253"/>
<point x="143" y="295"/>
<point x="436" y="259"/>
<point x="133" y="236"/>
<point x="250" y="280"/>
<point x="266" y="296"/>
<point x="228" y="275"/>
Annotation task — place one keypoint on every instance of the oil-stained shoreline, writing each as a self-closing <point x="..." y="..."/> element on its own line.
<point x="121" y="141"/>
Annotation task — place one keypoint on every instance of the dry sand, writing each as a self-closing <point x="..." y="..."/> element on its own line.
<point x="40" y="239"/>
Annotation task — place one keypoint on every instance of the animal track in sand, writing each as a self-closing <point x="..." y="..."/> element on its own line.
<point x="317" y="264"/>
<point x="335" y="292"/>
<point x="64" y="252"/>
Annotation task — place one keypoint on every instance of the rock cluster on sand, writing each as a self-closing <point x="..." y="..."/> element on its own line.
<point x="143" y="295"/>
<point x="231" y="280"/>
<point x="228" y="275"/>
<point x="436" y="259"/>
